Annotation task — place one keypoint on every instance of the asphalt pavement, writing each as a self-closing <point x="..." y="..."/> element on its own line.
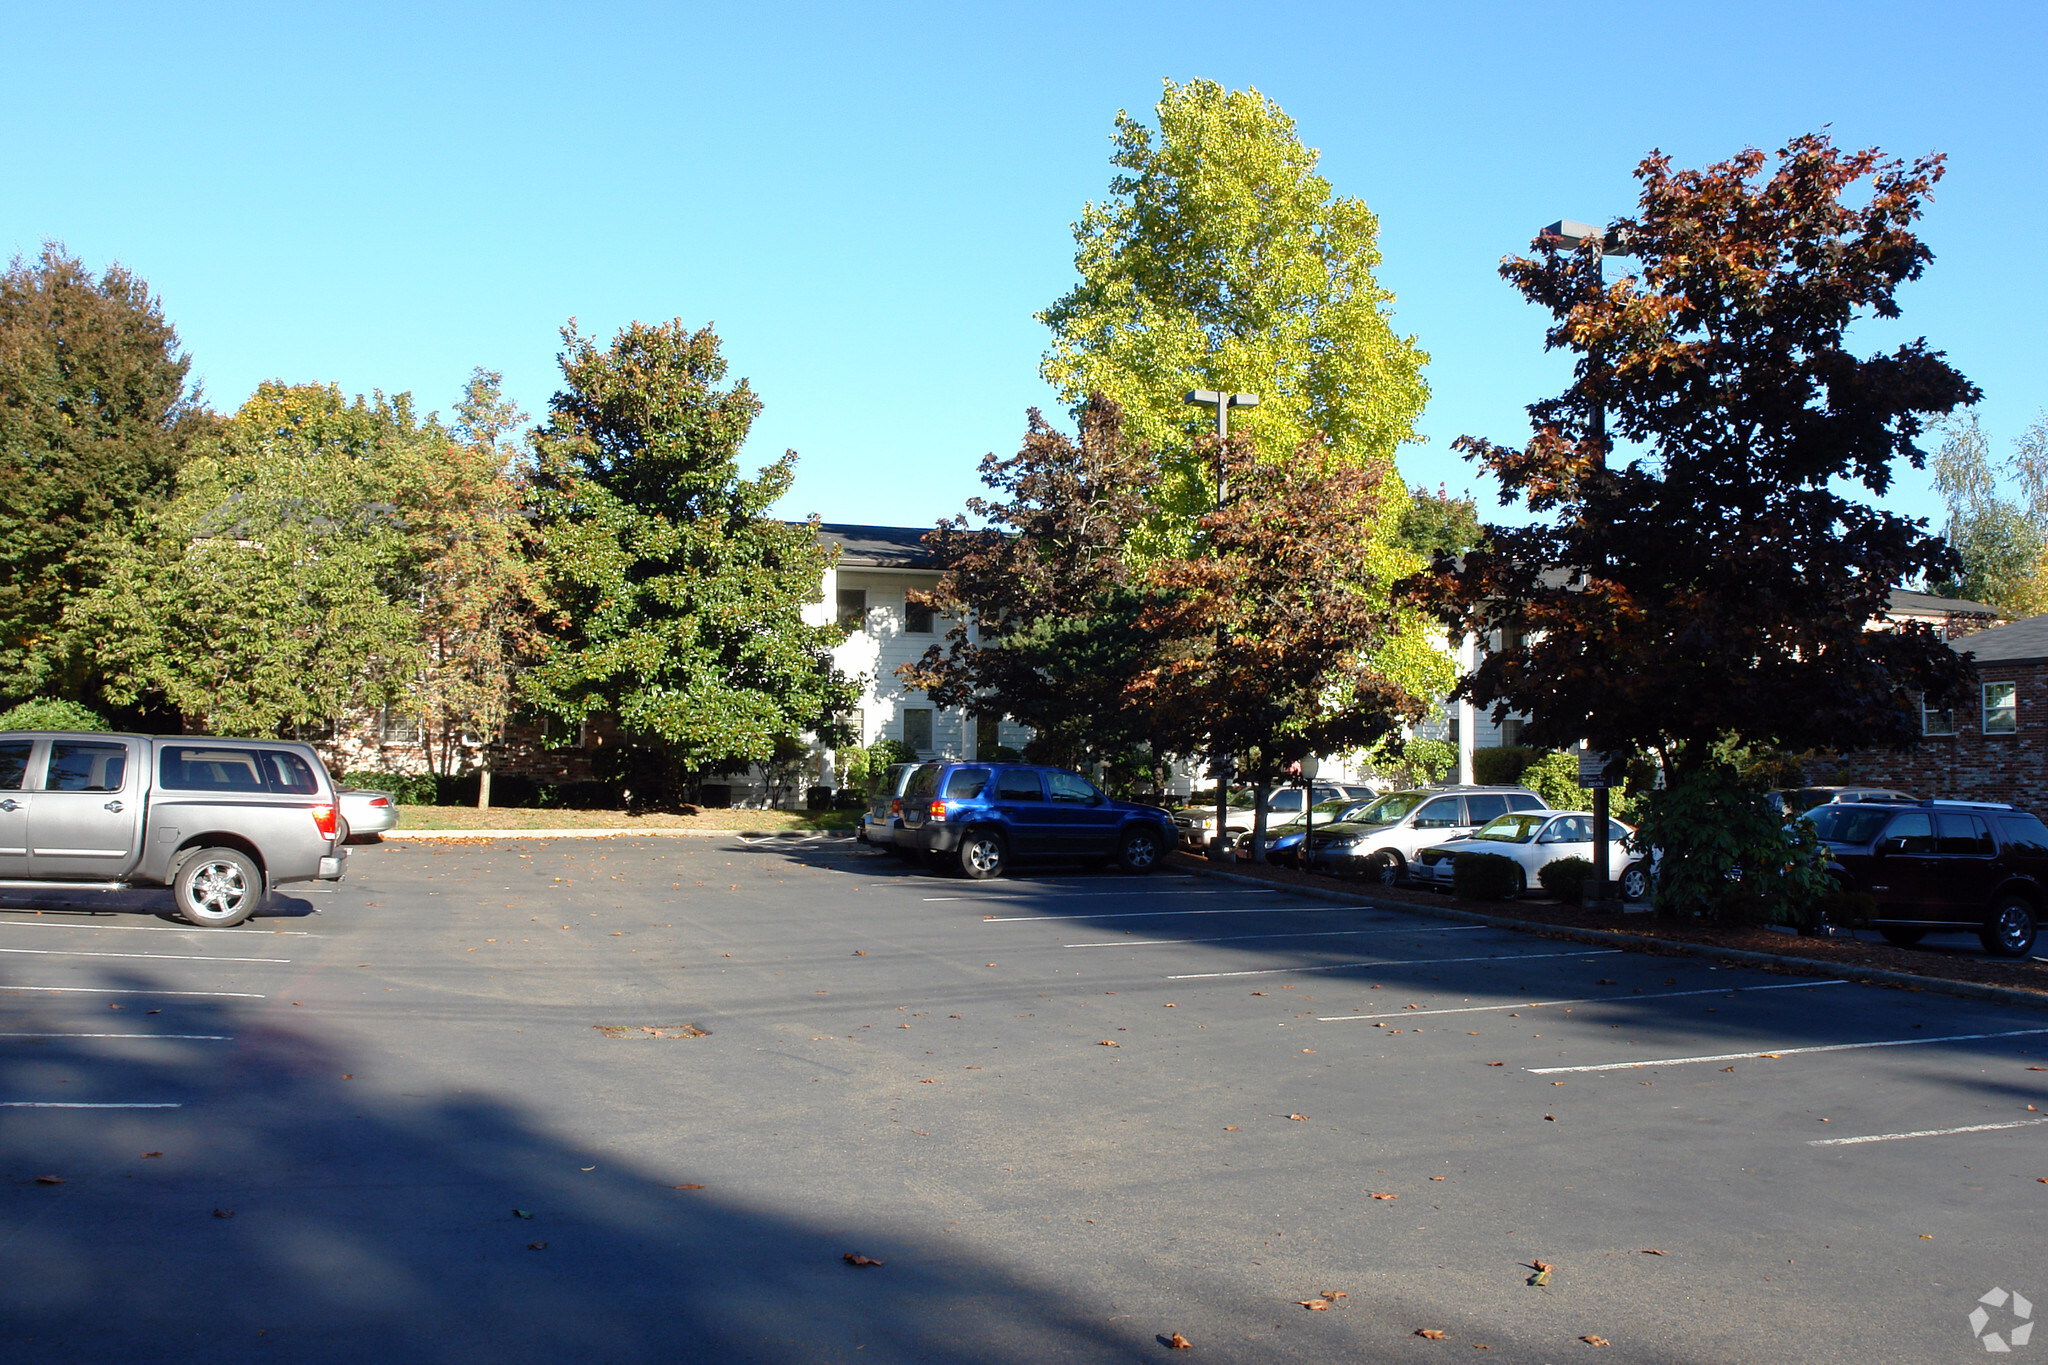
<point x="638" y="1100"/>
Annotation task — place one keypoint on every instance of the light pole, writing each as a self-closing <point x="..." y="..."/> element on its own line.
<point x="1607" y="243"/>
<point x="1224" y="402"/>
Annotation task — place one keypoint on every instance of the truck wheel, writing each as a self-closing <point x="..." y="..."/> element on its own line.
<point x="982" y="855"/>
<point x="2009" y="929"/>
<point x="1139" y="851"/>
<point x="218" y="887"/>
<point x="1901" y="938"/>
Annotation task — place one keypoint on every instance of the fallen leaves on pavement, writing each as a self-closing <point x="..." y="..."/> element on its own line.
<point x="521" y="1213"/>
<point x="1652" y="1251"/>
<point x="49" y="1180"/>
<point x="1376" y="1195"/>
<point x="1430" y="1332"/>
<point x="1299" y="1118"/>
<point x="1179" y="1342"/>
<point x="855" y="1258"/>
<point x="1109" y="1042"/>
<point x="1314" y="1305"/>
<point x="147" y="1154"/>
<point x="1594" y="1341"/>
<point x="536" y="1246"/>
<point x="223" y="1213"/>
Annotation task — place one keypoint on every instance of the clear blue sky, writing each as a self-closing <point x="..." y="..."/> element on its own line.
<point x="871" y="201"/>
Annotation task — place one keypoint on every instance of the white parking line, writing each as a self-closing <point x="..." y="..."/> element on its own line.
<point x="159" y="957"/>
<point x="192" y="1037"/>
<point x="136" y="928"/>
<point x="131" y="990"/>
<point x="1405" y="962"/>
<point x="73" y="1104"/>
<point x="1925" y="1132"/>
<point x="1775" y="1052"/>
<point x="1587" y="1000"/>
<point x="1119" y="895"/>
<point x="1232" y="938"/>
<point x="1162" y="914"/>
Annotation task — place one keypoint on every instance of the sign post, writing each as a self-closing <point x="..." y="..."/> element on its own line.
<point x="1594" y="768"/>
<point x="1309" y="768"/>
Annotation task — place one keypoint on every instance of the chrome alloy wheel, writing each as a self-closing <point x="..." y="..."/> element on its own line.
<point x="219" y="887"/>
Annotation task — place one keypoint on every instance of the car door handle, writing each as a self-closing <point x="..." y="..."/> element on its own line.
<point x="10" y="804"/>
<point x="114" y="806"/>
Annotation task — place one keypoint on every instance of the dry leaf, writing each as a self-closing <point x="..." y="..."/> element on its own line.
<point x="1496" y="1063"/>
<point x="1481" y="1346"/>
<point x="1727" y="1068"/>
<point x="152" y="1154"/>
<point x="1309" y="1050"/>
<point x="1315" y="1305"/>
<point x="929" y="1080"/>
<point x="1299" y="1118"/>
<point x="686" y="1187"/>
<point x="223" y="1213"/>
<point x="1432" y="1333"/>
<point x="49" y="1180"/>
<point x="1541" y="1265"/>
<point x="1335" y="1294"/>
<point x="521" y="1213"/>
<point x="1550" y="1118"/>
<point x="2038" y="1068"/>
<point x="1109" y="1042"/>
<point x="1384" y="1196"/>
<point x="347" y="1076"/>
<point x="855" y="1258"/>
<point x="1606" y="981"/>
<point x="1439" y="1177"/>
<point x="1179" y="1342"/>
<point x="1594" y="1341"/>
<point x="536" y="1246"/>
<point x="858" y="953"/>
<point x="1772" y="1056"/>
<point x="1652" y="1251"/>
<point x="1231" y="1128"/>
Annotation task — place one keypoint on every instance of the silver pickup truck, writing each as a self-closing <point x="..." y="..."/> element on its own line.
<point x="219" y="821"/>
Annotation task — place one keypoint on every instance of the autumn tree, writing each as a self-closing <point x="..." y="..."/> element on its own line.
<point x="677" y="600"/>
<point x="1716" y="581"/>
<point x="97" y="415"/>
<point x="276" y="587"/>
<point x="1223" y="260"/>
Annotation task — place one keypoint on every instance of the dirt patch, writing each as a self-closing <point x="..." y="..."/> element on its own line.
<point x="1802" y="956"/>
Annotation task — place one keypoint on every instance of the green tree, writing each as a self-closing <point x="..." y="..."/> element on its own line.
<point x="276" y="587"/>
<point x="96" y="417"/>
<point x="678" y="602"/>
<point x="1438" y="524"/>
<point x="1222" y="260"/>
<point x="1719" y="584"/>
<point x="46" y="713"/>
<point x="2002" y="542"/>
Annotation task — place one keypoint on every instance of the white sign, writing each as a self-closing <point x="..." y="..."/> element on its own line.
<point x="1593" y="766"/>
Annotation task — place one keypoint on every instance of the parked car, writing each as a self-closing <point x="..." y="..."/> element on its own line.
<point x="1283" y="846"/>
<point x="1942" y="867"/>
<point x="1791" y="801"/>
<point x="364" y="811"/>
<point x="874" y="827"/>
<point x="1532" y="840"/>
<point x="219" y="821"/>
<point x="1382" y="840"/>
<point x="1197" y="824"/>
<point x="980" y="817"/>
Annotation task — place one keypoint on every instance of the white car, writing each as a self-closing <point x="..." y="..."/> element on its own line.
<point x="1532" y="840"/>
<point x="366" y="811"/>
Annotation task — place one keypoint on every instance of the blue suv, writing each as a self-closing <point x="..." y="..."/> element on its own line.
<point x="981" y="816"/>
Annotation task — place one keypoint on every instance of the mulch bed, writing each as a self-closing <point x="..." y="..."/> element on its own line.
<point x="1845" y="953"/>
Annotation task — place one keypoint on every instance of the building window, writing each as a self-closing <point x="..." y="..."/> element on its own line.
<point x="1510" y="732"/>
<point x="396" y="727"/>
<point x="917" y="730"/>
<point x="2001" y="708"/>
<point x="917" y="618"/>
<point x="853" y="608"/>
<point x="1933" y="722"/>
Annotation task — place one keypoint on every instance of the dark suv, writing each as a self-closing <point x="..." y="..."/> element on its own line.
<point x="1942" y="867"/>
<point x="980" y="816"/>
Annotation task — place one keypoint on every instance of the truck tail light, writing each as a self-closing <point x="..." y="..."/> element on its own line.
<point x="939" y="812"/>
<point x="323" y="816"/>
<point x="895" y="805"/>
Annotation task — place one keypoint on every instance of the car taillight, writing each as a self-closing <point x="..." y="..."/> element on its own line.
<point x="896" y="805"/>
<point x="380" y="801"/>
<point x="323" y="816"/>
<point x="939" y="811"/>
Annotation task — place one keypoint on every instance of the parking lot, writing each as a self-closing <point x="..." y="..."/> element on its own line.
<point x="637" y="1099"/>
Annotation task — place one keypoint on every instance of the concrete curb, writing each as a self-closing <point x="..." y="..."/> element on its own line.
<point x="752" y="835"/>
<point x="1969" y="990"/>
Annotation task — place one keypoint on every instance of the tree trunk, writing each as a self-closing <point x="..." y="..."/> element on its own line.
<point x="1261" y="792"/>
<point x="483" y="780"/>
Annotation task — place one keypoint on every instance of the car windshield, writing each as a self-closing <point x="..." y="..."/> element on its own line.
<point x="1849" y="823"/>
<point x="1515" y="828"/>
<point x="1336" y="808"/>
<point x="1391" y="807"/>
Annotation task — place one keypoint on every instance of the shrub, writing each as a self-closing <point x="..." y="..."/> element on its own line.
<point x="1725" y="854"/>
<point x="1555" y="778"/>
<point x="1430" y="761"/>
<point x="408" y="789"/>
<point x="48" y="713"/>
<point x="1501" y="767"/>
<point x="1566" y="879"/>
<point x="1483" y="877"/>
<point x="884" y="754"/>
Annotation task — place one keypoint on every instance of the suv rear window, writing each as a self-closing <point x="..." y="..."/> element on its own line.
<point x="209" y="767"/>
<point x="924" y="781"/>
<point x="1019" y="784"/>
<point x="966" y="783"/>
<point x="1848" y="824"/>
<point x="1480" y="809"/>
<point x="2025" y="833"/>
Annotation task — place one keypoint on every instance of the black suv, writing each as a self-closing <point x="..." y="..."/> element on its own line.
<point x="1941" y="867"/>
<point x="980" y="816"/>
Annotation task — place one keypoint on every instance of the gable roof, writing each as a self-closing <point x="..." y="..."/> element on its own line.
<point x="1906" y="602"/>
<point x="2020" y="642"/>
<point x="878" y="547"/>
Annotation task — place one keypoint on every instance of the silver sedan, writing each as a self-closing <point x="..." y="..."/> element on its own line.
<point x="366" y="811"/>
<point x="1532" y="840"/>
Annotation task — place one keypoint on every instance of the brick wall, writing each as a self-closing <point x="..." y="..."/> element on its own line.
<point x="1970" y="765"/>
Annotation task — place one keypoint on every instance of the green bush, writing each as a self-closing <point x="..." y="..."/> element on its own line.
<point x="1430" y="761"/>
<point x="884" y="754"/>
<point x="1555" y="778"/>
<point x="1484" y="877"/>
<point x="1502" y="766"/>
<point x="1725" y="854"/>
<point x="1566" y="879"/>
<point x="408" y="789"/>
<point x="47" y="713"/>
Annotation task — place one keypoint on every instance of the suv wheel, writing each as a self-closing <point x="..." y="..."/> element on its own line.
<point x="2009" y="930"/>
<point x="1139" y="852"/>
<point x="217" y="888"/>
<point x="982" y="855"/>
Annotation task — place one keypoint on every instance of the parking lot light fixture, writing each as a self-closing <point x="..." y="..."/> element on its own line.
<point x="1223" y="402"/>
